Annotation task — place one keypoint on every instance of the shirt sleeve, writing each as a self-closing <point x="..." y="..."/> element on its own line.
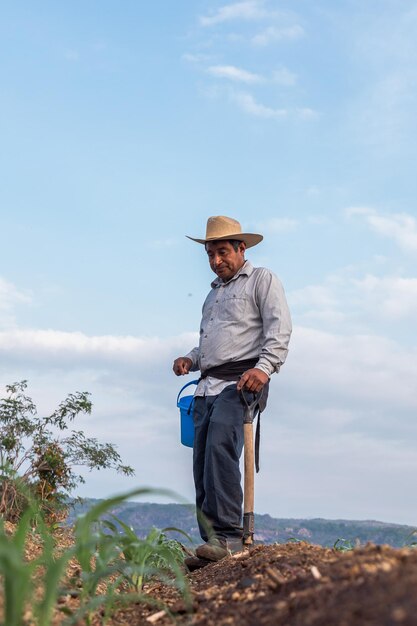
<point x="193" y="355"/>
<point x="276" y="321"/>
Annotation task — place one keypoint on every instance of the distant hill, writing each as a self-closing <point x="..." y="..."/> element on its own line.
<point x="142" y="516"/>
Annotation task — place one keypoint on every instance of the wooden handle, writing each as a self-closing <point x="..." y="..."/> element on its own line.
<point x="249" y="481"/>
<point x="249" y="486"/>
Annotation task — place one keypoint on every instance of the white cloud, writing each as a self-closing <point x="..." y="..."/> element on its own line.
<point x="350" y="301"/>
<point x="353" y="370"/>
<point x="394" y="297"/>
<point x="275" y="33"/>
<point x="344" y="401"/>
<point x="305" y="113"/>
<point x="234" y="73"/>
<point x="317" y="297"/>
<point x="195" y="58"/>
<point x="248" y="104"/>
<point x="368" y="479"/>
<point x="247" y="10"/>
<point x="59" y="348"/>
<point x="10" y="295"/>
<point x="401" y="227"/>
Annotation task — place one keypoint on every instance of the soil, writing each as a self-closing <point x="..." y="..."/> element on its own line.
<point x="294" y="584"/>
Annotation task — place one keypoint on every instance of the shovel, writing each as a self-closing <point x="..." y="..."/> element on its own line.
<point x="249" y="471"/>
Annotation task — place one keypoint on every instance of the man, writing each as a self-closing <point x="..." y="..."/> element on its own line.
<point x="244" y="336"/>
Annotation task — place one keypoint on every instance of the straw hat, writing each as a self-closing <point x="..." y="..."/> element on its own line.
<point x="221" y="227"/>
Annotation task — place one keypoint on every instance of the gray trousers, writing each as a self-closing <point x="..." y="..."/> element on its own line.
<point x="218" y="444"/>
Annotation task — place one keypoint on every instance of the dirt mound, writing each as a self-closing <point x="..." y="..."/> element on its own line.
<point x="296" y="585"/>
<point x="293" y="584"/>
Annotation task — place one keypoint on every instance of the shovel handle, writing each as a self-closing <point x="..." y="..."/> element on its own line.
<point x="249" y="485"/>
<point x="249" y="467"/>
<point x="251" y="407"/>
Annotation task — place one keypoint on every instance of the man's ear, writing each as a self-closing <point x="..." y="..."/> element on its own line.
<point x="242" y="247"/>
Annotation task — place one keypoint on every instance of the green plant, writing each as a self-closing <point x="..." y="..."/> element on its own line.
<point x="100" y="557"/>
<point x="411" y="539"/>
<point x="18" y="574"/>
<point x="114" y="557"/>
<point x="343" y="545"/>
<point x="41" y="452"/>
<point x="155" y="555"/>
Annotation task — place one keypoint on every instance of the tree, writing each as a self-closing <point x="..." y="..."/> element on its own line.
<point x="38" y="455"/>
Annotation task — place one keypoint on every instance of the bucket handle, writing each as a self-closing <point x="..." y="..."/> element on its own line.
<point x="192" y="382"/>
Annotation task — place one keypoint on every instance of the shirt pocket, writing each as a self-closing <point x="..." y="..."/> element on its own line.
<point x="232" y="308"/>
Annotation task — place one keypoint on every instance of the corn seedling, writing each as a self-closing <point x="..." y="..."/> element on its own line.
<point x="343" y="545"/>
<point x="104" y="558"/>
<point x="411" y="539"/>
<point x="141" y="556"/>
<point x="18" y="574"/>
<point x="155" y="556"/>
<point x="100" y="556"/>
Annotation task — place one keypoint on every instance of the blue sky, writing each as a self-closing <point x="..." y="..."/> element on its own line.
<point x="123" y="127"/>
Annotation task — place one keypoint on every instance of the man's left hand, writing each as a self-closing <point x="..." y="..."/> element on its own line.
<point x="252" y="380"/>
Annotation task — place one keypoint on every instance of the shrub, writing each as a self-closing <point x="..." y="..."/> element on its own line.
<point x="40" y="453"/>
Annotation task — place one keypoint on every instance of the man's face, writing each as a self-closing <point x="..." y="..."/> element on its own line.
<point x="224" y="260"/>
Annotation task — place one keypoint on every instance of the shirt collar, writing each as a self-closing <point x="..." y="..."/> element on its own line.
<point x="245" y="270"/>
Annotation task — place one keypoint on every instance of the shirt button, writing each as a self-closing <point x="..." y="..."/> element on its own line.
<point x="205" y="335"/>
<point x="216" y="300"/>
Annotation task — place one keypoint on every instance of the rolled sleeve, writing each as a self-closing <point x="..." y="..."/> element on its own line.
<point x="193" y="356"/>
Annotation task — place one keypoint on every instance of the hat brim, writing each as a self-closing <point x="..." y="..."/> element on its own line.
<point x="250" y="239"/>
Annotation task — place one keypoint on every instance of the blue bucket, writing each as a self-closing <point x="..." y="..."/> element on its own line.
<point x="186" y="407"/>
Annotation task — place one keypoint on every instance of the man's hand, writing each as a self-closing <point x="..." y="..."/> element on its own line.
<point x="182" y="365"/>
<point x="252" y="380"/>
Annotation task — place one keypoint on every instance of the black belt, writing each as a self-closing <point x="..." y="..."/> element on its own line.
<point x="231" y="371"/>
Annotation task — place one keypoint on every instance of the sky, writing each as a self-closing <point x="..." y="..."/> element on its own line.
<point x="124" y="126"/>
